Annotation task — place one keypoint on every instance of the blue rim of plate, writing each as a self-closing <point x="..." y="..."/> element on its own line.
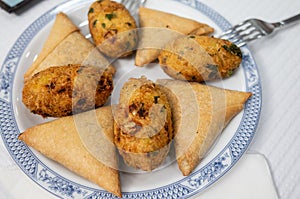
<point x="184" y="188"/>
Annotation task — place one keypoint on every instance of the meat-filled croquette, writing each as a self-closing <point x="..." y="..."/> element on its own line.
<point x="143" y="126"/>
<point x="65" y="90"/>
<point x="112" y="27"/>
<point x="200" y="58"/>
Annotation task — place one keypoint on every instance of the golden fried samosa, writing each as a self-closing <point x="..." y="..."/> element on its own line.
<point x="69" y="141"/>
<point x="151" y="23"/>
<point x="66" y="45"/>
<point x="200" y="113"/>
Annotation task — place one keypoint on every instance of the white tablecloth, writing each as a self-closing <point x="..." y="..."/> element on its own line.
<point x="278" y="59"/>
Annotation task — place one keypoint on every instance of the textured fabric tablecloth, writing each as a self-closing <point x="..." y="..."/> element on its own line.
<point x="278" y="59"/>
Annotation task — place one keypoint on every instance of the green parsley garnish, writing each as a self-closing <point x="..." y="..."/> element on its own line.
<point x="91" y="10"/>
<point x="110" y="16"/>
<point x="214" y="71"/>
<point x="95" y="22"/>
<point x="229" y="73"/>
<point x="233" y="49"/>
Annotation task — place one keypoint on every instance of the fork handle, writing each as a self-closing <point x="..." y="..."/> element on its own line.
<point x="288" y="21"/>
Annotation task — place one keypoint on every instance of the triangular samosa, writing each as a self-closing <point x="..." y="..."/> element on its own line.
<point x="66" y="45"/>
<point x="200" y="113"/>
<point x="149" y="18"/>
<point x="74" y="141"/>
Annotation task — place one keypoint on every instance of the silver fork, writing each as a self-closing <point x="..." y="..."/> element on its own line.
<point x="253" y="29"/>
<point x="133" y="5"/>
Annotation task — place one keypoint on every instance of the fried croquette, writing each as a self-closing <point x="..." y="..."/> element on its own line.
<point x="65" y="90"/>
<point x="112" y="27"/>
<point x="143" y="126"/>
<point x="200" y="58"/>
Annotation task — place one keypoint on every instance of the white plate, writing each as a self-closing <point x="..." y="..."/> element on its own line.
<point x="167" y="182"/>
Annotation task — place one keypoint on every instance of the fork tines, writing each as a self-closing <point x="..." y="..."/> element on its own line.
<point x="242" y="33"/>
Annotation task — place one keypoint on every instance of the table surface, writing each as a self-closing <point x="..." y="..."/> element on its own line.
<point x="278" y="59"/>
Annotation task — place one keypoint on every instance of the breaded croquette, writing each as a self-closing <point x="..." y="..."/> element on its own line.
<point x="112" y="28"/>
<point x="200" y="58"/>
<point x="65" y="90"/>
<point x="143" y="125"/>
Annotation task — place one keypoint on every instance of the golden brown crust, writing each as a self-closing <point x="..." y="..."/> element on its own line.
<point x="61" y="29"/>
<point x="155" y="18"/>
<point x="59" y="140"/>
<point x="66" y="45"/>
<point x="150" y="18"/>
<point x="214" y="118"/>
<point x="200" y="58"/>
<point x="143" y="126"/>
<point x="112" y="28"/>
<point x="195" y="132"/>
<point x="64" y="90"/>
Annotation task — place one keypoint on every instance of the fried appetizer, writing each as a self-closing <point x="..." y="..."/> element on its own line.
<point x="65" y="90"/>
<point x="151" y="40"/>
<point x="200" y="58"/>
<point x="112" y="28"/>
<point x="200" y="113"/>
<point x="64" y="40"/>
<point x="143" y="126"/>
<point x="61" y="141"/>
